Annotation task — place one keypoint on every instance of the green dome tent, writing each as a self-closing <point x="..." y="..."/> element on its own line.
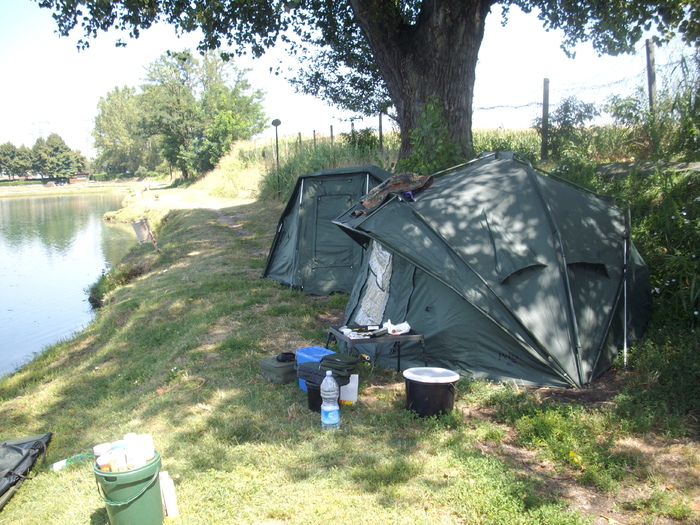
<point x="510" y="274"/>
<point x="309" y="252"/>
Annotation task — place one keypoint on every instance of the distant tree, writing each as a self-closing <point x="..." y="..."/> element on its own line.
<point x="122" y="146"/>
<point x="51" y="157"/>
<point x="567" y="125"/>
<point x="78" y="162"/>
<point x="195" y="112"/>
<point x="22" y="163"/>
<point x="231" y="110"/>
<point x="7" y="155"/>
<point x="41" y="158"/>
<point x="61" y="157"/>
<point x="15" y="162"/>
<point x="170" y="108"/>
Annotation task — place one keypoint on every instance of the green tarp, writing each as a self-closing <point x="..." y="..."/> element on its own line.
<point x="309" y="252"/>
<point x="511" y="275"/>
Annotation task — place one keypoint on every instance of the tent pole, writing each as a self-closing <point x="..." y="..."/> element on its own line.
<point x="624" y="299"/>
<point x="296" y="248"/>
<point x="563" y="272"/>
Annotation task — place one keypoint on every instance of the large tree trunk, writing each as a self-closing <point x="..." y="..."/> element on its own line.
<point x="407" y="58"/>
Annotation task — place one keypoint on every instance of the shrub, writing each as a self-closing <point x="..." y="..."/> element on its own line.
<point x="433" y="149"/>
<point x="567" y="135"/>
<point x="364" y="141"/>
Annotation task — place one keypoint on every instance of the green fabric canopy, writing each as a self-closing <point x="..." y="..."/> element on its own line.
<point x="309" y="252"/>
<point x="509" y="273"/>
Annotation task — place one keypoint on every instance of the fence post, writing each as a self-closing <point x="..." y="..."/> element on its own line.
<point x="651" y="75"/>
<point x="381" y="135"/>
<point x="332" y="148"/>
<point x="277" y="123"/>
<point x="651" y="81"/>
<point x="544" y="153"/>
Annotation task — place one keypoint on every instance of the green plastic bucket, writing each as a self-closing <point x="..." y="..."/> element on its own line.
<point x="133" y="496"/>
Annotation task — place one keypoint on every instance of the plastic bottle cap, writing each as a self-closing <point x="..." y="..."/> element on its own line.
<point x="328" y="372"/>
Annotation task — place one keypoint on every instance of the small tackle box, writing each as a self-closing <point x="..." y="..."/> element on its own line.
<point x="279" y="368"/>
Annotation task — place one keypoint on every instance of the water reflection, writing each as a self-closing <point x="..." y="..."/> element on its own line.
<point x="51" y="249"/>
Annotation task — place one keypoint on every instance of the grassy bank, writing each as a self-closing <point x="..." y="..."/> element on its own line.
<point x="174" y="352"/>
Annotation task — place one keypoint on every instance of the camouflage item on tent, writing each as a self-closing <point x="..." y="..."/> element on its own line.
<point x="406" y="182"/>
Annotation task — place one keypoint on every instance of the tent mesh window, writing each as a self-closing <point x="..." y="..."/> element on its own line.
<point x="377" y="293"/>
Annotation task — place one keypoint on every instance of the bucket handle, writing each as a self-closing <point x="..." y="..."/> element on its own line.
<point x="126" y="501"/>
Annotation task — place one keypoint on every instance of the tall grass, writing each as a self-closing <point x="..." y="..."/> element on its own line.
<point x="360" y="148"/>
<point x="524" y="141"/>
<point x="238" y="174"/>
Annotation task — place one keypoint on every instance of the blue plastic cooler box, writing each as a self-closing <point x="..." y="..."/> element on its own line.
<point x="310" y="353"/>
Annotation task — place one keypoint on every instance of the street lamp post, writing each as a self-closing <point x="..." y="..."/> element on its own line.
<point x="276" y="123"/>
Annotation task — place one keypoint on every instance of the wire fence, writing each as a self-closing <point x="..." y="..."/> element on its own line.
<point x="526" y="99"/>
<point x="521" y="105"/>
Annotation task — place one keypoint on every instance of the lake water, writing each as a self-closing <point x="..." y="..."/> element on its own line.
<point x="52" y="248"/>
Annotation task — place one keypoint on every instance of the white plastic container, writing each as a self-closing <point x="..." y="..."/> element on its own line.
<point x="139" y="450"/>
<point x="348" y="393"/>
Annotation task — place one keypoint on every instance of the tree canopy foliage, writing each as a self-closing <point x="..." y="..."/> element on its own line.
<point x="121" y="143"/>
<point x="369" y="52"/>
<point x="188" y="112"/>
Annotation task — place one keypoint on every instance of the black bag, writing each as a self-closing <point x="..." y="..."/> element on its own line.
<point x="340" y="364"/>
<point x="312" y="372"/>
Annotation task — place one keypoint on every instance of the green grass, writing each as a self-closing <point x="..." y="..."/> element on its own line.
<point x="174" y="352"/>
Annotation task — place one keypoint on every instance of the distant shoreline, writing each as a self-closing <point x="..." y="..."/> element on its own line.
<point x="24" y="190"/>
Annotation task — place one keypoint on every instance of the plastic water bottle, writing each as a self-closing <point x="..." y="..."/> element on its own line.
<point x="330" y="410"/>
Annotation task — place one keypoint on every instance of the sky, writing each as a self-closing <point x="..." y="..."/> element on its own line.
<point x="48" y="86"/>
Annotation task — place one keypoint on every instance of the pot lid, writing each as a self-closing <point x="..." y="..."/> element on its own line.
<point x="430" y="374"/>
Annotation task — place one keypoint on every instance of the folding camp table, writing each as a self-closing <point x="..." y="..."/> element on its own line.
<point x="335" y="333"/>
